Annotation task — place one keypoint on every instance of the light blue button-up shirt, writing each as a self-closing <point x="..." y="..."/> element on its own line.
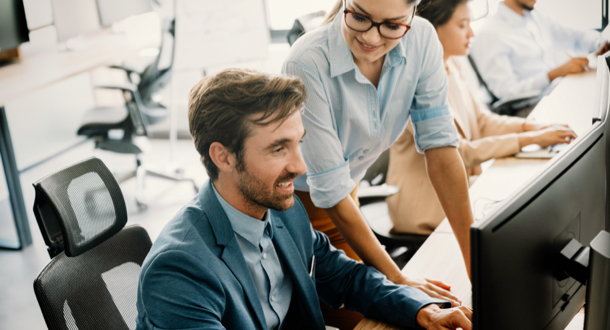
<point x="349" y="122"/>
<point x="514" y="53"/>
<point x="255" y="240"/>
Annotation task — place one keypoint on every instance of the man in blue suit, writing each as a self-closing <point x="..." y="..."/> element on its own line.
<point x="242" y="254"/>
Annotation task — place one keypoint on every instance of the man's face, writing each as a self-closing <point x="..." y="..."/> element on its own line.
<point x="270" y="163"/>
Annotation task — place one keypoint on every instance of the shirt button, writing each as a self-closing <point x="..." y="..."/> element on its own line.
<point x="365" y="151"/>
<point x="264" y="255"/>
<point x="360" y="157"/>
<point x="272" y="298"/>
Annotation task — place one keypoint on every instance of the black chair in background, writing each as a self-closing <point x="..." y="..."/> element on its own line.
<point x="372" y="193"/>
<point x="92" y="279"/>
<point x="116" y="128"/>
<point x="508" y="106"/>
<point x="304" y="24"/>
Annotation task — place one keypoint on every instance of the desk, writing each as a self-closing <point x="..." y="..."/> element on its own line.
<point x="43" y="69"/>
<point x="440" y="257"/>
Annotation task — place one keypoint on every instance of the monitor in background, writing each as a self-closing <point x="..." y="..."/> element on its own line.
<point x="73" y="18"/>
<point x="111" y="11"/>
<point x="13" y="25"/>
<point x="517" y="279"/>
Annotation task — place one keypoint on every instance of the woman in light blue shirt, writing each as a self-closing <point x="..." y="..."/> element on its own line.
<point x="370" y="69"/>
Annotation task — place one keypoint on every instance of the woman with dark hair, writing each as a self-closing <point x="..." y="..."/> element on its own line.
<point x="370" y="69"/>
<point x="483" y="134"/>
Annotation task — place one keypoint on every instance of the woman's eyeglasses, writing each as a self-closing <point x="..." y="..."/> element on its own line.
<point x="388" y="30"/>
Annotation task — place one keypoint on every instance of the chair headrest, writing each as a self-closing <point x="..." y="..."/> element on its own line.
<point x="79" y="207"/>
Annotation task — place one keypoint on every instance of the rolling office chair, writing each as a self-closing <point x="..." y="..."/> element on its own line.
<point x="374" y="209"/>
<point x="503" y="107"/>
<point x="132" y="119"/>
<point x="92" y="279"/>
<point x="304" y="24"/>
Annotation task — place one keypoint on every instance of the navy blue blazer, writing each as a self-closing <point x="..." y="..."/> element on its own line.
<point x="195" y="276"/>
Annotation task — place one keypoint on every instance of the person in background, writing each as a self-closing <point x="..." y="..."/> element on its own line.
<point x="370" y="68"/>
<point x="483" y="134"/>
<point x="520" y="52"/>
<point x="242" y="254"/>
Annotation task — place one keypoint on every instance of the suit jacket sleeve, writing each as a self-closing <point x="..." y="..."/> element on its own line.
<point x="182" y="309"/>
<point x="343" y="281"/>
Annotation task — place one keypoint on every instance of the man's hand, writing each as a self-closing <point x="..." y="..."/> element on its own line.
<point x="433" y="317"/>
<point x="574" y="65"/>
<point x="435" y="289"/>
<point x="604" y="48"/>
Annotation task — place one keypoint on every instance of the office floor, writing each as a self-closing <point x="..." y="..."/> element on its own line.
<point x="18" y="306"/>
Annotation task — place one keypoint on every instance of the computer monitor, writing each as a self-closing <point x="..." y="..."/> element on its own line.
<point x="517" y="277"/>
<point x="74" y="18"/>
<point x="601" y="113"/>
<point x="13" y="25"/>
<point x="111" y="11"/>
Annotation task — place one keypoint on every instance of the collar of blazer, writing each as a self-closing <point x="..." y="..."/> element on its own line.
<point x="232" y="256"/>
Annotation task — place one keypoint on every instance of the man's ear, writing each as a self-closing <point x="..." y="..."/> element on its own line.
<point x="222" y="157"/>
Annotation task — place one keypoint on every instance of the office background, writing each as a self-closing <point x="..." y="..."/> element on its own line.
<point x="43" y="123"/>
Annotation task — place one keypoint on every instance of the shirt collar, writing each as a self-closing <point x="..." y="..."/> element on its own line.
<point x="244" y="225"/>
<point x="510" y="16"/>
<point x="341" y="59"/>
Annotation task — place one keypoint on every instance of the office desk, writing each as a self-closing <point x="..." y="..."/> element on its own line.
<point x="43" y="69"/>
<point x="439" y="257"/>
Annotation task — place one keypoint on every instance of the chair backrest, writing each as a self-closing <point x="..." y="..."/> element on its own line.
<point x="304" y="24"/>
<point x="492" y="98"/>
<point x="92" y="279"/>
<point x="144" y="110"/>
<point x="376" y="174"/>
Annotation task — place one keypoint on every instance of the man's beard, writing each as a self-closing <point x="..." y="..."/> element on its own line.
<point x="526" y="7"/>
<point x="257" y="194"/>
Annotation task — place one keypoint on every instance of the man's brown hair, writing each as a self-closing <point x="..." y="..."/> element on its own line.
<point x="221" y="108"/>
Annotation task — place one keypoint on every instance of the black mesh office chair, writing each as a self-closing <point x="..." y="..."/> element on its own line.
<point x="92" y="279"/>
<point x="304" y="24"/>
<point x="374" y="209"/>
<point x="131" y="120"/>
<point x="507" y="106"/>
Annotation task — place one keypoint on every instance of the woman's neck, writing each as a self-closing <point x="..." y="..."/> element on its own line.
<point x="371" y="70"/>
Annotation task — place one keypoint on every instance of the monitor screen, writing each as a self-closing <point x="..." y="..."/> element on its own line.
<point x="13" y="25"/>
<point x="517" y="279"/>
<point x="74" y="17"/>
<point x="117" y="10"/>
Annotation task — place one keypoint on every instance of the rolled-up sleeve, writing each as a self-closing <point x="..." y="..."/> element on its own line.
<point x="432" y="121"/>
<point x="328" y="172"/>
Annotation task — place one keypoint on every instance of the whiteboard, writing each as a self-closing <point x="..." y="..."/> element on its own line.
<point x="211" y="32"/>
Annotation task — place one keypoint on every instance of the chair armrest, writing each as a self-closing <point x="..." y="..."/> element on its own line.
<point x="504" y="106"/>
<point x="124" y="68"/>
<point x="124" y="87"/>
<point x="370" y="194"/>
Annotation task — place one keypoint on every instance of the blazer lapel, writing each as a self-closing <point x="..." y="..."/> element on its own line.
<point x="231" y="254"/>
<point x="302" y="283"/>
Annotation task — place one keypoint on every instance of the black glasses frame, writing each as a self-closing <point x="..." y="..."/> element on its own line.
<point x="378" y="25"/>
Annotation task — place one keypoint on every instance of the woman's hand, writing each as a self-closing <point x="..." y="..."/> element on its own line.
<point x="547" y="136"/>
<point x="435" y="289"/>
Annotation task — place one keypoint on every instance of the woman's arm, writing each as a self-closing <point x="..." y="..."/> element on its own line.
<point x="347" y="218"/>
<point x="448" y="176"/>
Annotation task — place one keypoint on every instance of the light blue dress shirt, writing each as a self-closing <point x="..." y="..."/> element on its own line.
<point x="514" y="53"/>
<point x="255" y="240"/>
<point x="349" y="122"/>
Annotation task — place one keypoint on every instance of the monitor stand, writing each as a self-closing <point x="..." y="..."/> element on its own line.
<point x="591" y="266"/>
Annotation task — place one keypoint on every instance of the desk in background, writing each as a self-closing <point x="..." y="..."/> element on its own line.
<point x="573" y="103"/>
<point x="40" y="70"/>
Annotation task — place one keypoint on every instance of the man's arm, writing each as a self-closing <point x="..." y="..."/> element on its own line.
<point x="446" y="172"/>
<point x="343" y="281"/>
<point x="170" y="293"/>
<point x="347" y="218"/>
